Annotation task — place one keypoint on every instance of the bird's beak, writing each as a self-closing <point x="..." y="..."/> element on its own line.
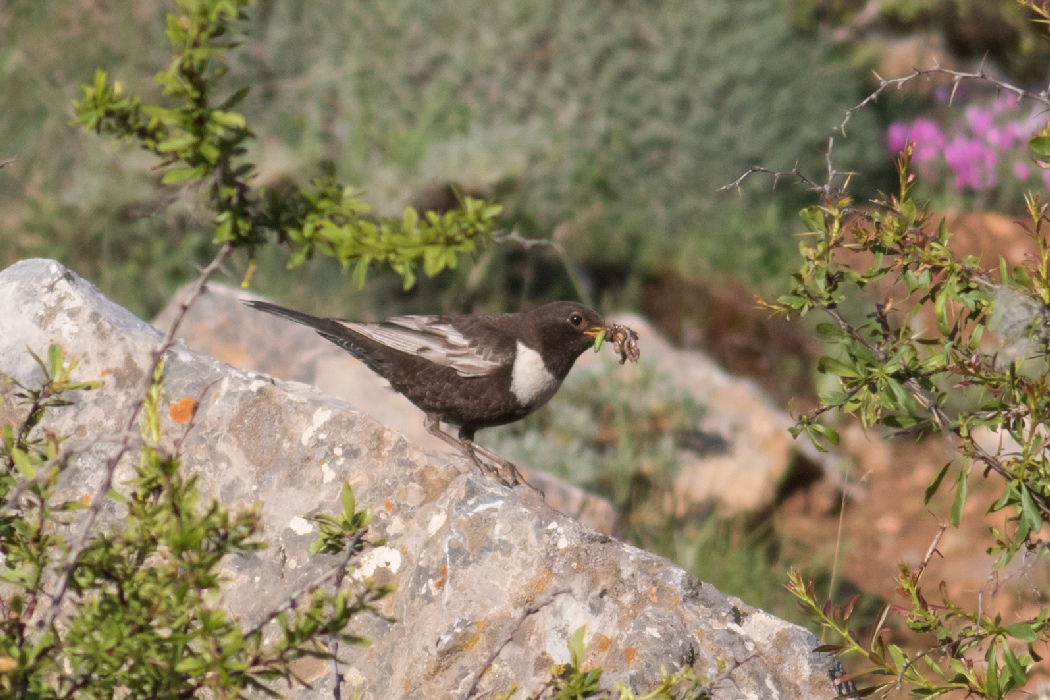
<point x="598" y="333"/>
<point x="595" y="331"/>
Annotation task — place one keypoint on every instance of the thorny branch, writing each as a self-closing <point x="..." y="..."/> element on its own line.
<point x="957" y="77"/>
<point x="828" y="191"/>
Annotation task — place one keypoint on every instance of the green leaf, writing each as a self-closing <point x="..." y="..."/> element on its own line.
<point x="960" y="498"/>
<point x="935" y="484"/>
<point x="1029" y="512"/>
<point x="829" y="331"/>
<point x="826" y="432"/>
<point x="908" y="209"/>
<point x="1014" y="666"/>
<point x="829" y="365"/>
<point x="1022" y="631"/>
<point x="347" y="497"/>
<point x="361" y="272"/>
<point x="1021" y="277"/>
<point x="992" y="688"/>
<point x="410" y="220"/>
<point x="941" y="313"/>
<point x="899" y="660"/>
<point x="22" y="463"/>
<point x="177" y="175"/>
<point x="813" y="218"/>
<point x="576" y="649"/>
<point x="1040" y="144"/>
<point x="233" y="100"/>
<point x="54" y="359"/>
<point x="231" y="120"/>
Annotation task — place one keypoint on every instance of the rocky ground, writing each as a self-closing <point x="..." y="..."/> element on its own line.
<point x="486" y="577"/>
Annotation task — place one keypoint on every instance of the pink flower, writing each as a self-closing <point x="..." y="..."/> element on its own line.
<point x="980" y="120"/>
<point x="1021" y="171"/>
<point x="1004" y="102"/>
<point x="924" y="133"/>
<point x="1002" y="139"/>
<point x="897" y="137"/>
<point x="972" y="163"/>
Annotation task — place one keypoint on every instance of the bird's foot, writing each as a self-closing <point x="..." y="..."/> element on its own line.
<point x="504" y="467"/>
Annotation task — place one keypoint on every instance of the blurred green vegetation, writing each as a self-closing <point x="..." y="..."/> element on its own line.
<point x="608" y="124"/>
<point x="612" y="433"/>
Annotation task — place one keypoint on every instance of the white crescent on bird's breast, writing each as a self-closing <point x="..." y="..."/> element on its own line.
<point x="530" y="380"/>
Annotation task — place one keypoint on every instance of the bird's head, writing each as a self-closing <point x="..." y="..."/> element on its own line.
<point x="565" y="329"/>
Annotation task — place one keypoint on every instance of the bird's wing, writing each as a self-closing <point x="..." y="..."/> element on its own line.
<point x="436" y="339"/>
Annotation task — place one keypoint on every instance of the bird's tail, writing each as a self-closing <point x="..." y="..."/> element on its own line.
<point x="329" y="329"/>
<point x="315" y="322"/>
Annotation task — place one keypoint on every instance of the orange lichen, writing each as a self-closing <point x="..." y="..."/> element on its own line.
<point x="388" y="505"/>
<point x="469" y="643"/>
<point x="628" y="655"/>
<point x="182" y="410"/>
<point x="541" y="583"/>
<point x="604" y="642"/>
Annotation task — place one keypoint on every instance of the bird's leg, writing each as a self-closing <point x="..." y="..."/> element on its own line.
<point x="466" y="436"/>
<point x="433" y="426"/>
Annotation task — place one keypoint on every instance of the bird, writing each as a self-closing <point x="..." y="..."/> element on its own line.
<point x="472" y="371"/>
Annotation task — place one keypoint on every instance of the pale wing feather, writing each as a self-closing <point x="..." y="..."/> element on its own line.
<point x="432" y="339"/>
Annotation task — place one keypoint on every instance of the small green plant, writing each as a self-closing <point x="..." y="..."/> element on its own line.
<point x="573" y="681"/>
<point x="131" y="610"/>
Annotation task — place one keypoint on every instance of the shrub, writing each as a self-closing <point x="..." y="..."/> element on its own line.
<point x="890" y="374"/>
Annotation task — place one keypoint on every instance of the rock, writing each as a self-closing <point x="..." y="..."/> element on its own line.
<point x="467" y="555"/>
<point x="753" y="452"/>
<point x="221" y="326"/>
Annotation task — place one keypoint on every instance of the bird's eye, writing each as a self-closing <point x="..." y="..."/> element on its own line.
<point x="575" y="319"/>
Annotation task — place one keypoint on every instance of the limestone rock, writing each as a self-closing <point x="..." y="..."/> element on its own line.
<point x="467" y="554"/>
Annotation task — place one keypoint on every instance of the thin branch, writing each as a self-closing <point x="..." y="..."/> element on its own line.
<point x="81" y="542"/>
<point x="947" y="645"/>
<point x="192" y="422"/>
<point x="290" y="602"/>
<point x="333" y="641"/>
<point x="526" y="614"/>
<point x="838" y="538"/>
